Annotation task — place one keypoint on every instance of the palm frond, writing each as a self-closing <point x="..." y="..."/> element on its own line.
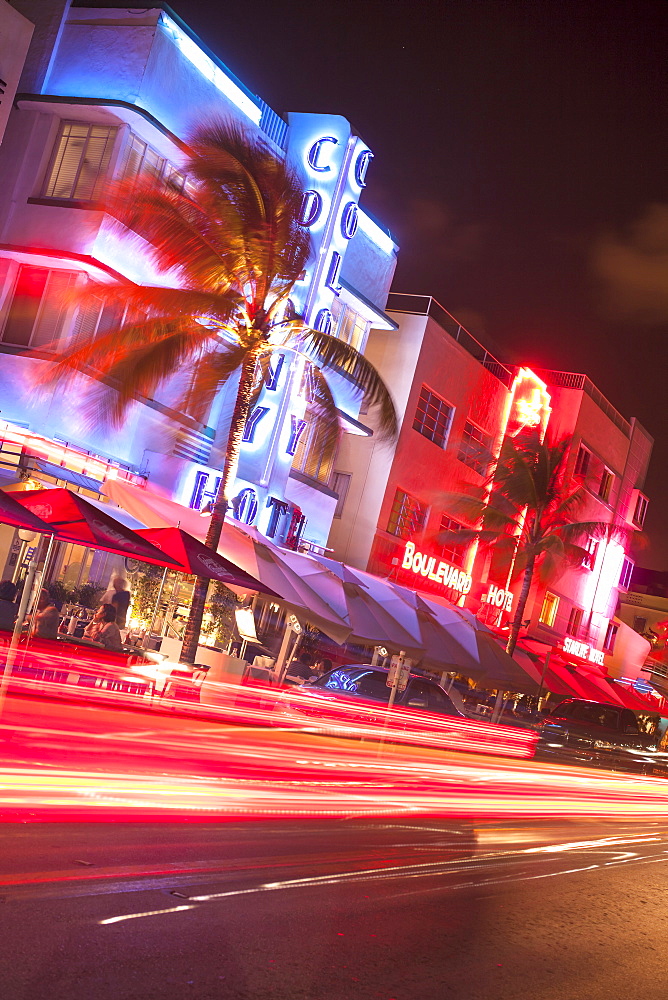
<point x="336" y="354"/>
<point x="119" y="349"/>
<point x="322" y="408"/>
<point x="212" y="372"/>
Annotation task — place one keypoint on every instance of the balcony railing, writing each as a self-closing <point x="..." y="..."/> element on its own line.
<point x="573" y="380"/>
<point x="425" y="305"/>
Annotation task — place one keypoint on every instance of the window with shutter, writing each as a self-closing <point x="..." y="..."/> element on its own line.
<point x="53" y="311"/>
<point x="24" y="306"/>
<point x="38" y="307"/>
<point x="80" y="161"/>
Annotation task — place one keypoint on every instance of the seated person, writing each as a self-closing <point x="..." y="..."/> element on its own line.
<point x="300" y="670"/>
<point x="8" y="609"/>
<point x="104" y="630"/>
<point x="47" y="618"/>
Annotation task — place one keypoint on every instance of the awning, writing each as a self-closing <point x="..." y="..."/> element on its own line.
<point x="73" y="519"/>
<point x="16" y="516"/>
<point x="196" y="559"/>
<point x="347" y="603"/>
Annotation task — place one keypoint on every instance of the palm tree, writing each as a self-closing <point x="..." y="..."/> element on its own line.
<point x="231" y="247"/>
<point x="527" y="511"/>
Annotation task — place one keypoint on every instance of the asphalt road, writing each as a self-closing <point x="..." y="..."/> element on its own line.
<point x="393" y="910"/>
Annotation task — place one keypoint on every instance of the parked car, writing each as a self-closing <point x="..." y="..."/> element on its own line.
<point x="353" y="701"/>
<point x="368" y="685"/>
<point x="587" y="732"/>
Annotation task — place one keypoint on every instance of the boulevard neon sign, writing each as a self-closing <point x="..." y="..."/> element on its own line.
<point x="448" y="576"/>
<point x="583" y="651"/>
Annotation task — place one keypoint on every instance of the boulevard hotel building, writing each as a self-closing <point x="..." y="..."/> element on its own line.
<point x="94" y="92"/>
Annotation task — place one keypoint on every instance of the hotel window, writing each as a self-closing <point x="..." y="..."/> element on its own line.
<point x="640" y="510"/>
<point x="407" y="517"/>
<point x="455" y="554"/>
<point x="575" y="621"/>
<point x="311" y="458"/>
<point x="141" y="159"/>
<point x="610" y="636"/>
<point x="605" y="485"/>
<point x="639" y="625"/>
<point x="548" y="612"/>
<point x="432" y="417"/>
<point x="80" y="161"/>
<point x="348" y="325"/>
<point x="340" y="485"/>
<point x="37" y="308"/>
<point x="582" y="462"/>
<point x="474" y="449"/>
<point x="626" y="574"/>
<point x="591" y="551"/>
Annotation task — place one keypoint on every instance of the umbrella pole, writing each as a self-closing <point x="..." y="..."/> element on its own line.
<point x="157" y="603"/>
<point x="16" y="634"/>
<point x="546" y="664"/>
<point x="41" y="579"/>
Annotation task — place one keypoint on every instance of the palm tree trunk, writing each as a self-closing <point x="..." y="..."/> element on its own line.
<point x="521" y="605"/>
<point x="220" y="504"/>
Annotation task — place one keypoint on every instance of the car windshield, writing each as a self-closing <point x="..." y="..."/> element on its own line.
<point x="361" y="681"/>
<point x="597" y="715"/>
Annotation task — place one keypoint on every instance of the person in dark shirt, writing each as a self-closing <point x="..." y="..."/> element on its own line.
<point x="119" y="596"/>
<point x="8" y="609"/>
<point x="300" y="670"/>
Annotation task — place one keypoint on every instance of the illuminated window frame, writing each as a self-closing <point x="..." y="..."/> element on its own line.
<point x="310" y="458"/>
<point x="340" y="485"/>
<point x="582" y="462"/>
<point x="626" y="573"/>
<point x="548" y="611"/>
<point x="574" y="625"/>
<point x="591" y="550"/>
<point x="80" y="161"/>
<point x="348" y="325"/>
<point x="408" y="515"/>
<point x="433" y="417"/>
<point x="640" y="510"/>
<point x="37" y="307"/>
<point x="474" y="448"/>
<point x="142" y="159"/>
<point x="610" y="636"/>
<point x="455" y="554"/>
<point x="605" y="484"/>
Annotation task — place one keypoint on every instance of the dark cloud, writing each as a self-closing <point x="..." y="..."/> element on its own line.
<point x="632" y="269"/>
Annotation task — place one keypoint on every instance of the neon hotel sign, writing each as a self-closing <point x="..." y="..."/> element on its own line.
<point x="452" y="578"/>
<point x="583" y="651"/>
<point x="442" y="572"/>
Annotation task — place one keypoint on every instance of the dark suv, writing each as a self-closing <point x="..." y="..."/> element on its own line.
<point x="587" y="732"/>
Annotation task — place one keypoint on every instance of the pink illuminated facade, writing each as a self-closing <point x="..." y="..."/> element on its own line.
<point x="456" y="403"/>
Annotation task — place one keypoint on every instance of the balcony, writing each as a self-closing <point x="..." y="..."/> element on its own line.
<point x="425" y="305"/>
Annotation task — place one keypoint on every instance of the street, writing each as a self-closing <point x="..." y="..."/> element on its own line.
<point x="312" y="911"/>
<point x="220" y="861"/>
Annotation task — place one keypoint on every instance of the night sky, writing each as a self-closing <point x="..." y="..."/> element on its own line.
<point x="521" y="162"/>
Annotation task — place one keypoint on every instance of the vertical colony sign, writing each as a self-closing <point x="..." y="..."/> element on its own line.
<point x="335" y="164"/>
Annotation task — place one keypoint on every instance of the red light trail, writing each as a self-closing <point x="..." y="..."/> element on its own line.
<point x="64" y="761"/>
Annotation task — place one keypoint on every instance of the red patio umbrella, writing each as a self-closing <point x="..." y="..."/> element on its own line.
<point x="73" y="519"/>
<point x="16" y="516"/>
<point x="195" y="558"/>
